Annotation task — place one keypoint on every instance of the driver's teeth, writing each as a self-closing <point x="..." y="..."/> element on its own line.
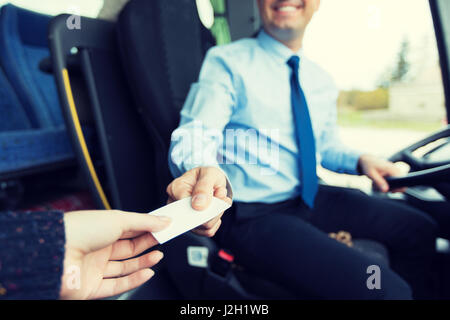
<point x="287" y="9"/>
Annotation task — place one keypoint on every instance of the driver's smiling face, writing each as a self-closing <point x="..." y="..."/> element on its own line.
<point x="287" y="15"/>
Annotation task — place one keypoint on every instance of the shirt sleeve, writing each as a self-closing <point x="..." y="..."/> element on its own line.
<point x="31" y="254"/>
<point x="207" y="110"/>
<point x="335" y="155"/>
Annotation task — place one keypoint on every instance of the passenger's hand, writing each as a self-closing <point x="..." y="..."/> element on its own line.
<point x="202" y="184"/>
<point x="377" y="169"/>
<point x="100" y="249"/>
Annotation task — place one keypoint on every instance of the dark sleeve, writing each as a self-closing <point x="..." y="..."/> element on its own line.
<point x="31" y="254"/>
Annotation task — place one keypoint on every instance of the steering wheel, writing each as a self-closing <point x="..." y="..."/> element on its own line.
<point x="424" y="170"/>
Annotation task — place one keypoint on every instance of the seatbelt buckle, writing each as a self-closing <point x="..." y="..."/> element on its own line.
<point x="222" y="263"/>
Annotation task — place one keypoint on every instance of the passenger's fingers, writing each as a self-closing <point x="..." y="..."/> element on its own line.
<point x="135" y="222"/>
<point x="102" y="228"/>
<point x="135" y="226"/>
<point x="116" y="269"/>
<point x="124" y="249"/>
<point x="112" y="287"/>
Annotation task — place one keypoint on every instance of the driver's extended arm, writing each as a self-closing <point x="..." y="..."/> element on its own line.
<point x="206" y="112"/>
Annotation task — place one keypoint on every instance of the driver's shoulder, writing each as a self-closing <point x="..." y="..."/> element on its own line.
<point x="236" y="52"/>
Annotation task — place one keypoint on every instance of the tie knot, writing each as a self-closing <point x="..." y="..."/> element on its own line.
<point x="294" y="62"/>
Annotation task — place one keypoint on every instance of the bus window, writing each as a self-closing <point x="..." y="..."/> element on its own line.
<point x="386" y="65"/>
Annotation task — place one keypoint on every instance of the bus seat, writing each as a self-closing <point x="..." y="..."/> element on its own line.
<point x="23" y="44"/>
<point x="161" y="64"/>
<point x="92" y="90"/>
<point x="13" y="116"/>
<point x="23" y="148"/>
<point x="159" y="75"/>
<point x="32" y="135"/>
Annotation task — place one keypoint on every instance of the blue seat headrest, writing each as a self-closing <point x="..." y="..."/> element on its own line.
<point x="23" y="45"/>
<point x="32" y="26"/>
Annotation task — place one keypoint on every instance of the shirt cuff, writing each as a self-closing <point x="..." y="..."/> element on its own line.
<point x="351" y="162"/>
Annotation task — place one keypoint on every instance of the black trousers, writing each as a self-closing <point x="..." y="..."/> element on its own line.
<point x="289" y="244"/>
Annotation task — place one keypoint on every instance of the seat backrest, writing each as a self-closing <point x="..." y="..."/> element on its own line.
<point x="23" y="45"/>
<point x="92" y="88"/>
<point x="162" y="44"/>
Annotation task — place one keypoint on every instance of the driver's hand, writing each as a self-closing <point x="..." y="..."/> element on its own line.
<point x="202" y="184"/>
<point x="377" y="169"/>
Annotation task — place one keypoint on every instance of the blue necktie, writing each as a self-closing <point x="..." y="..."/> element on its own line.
<point x="304" y="136"/>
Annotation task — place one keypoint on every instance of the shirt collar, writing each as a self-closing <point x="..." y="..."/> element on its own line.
<point x="275" y="48"/>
